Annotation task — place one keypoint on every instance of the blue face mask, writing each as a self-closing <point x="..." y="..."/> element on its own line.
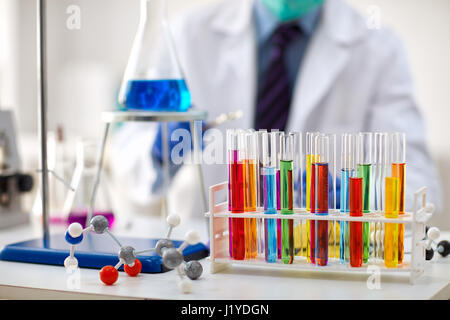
<point x="286" y="10"/>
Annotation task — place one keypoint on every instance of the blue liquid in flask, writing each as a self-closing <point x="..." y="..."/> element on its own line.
<point x="158" y="95"/>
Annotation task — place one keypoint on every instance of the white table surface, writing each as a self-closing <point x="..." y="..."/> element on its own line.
<point x="34" y="281"/>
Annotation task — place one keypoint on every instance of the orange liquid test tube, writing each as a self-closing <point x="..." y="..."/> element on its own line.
<point x="398" y="171"/>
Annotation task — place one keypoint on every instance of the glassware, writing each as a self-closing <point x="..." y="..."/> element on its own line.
<point x="153" y="78"/>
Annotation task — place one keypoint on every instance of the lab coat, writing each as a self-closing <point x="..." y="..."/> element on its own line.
<point x="352" y="78"/>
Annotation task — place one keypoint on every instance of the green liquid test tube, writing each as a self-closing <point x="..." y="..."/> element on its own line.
<point x="287" y="196"/>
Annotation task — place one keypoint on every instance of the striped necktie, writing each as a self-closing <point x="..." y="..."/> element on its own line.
<point x="274" y="98"/>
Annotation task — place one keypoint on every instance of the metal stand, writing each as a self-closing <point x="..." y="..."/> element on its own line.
<point x="42" y="112"/>
<point x="163" y="117"/>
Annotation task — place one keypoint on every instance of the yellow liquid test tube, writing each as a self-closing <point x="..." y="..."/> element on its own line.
<point x="391" y="229"/>
<point x="308" y="182"/>
<point x="308" y="203"/>
<point x="297" y="238"/>
<point x="398" y="171"/>
<point x="310" y="159"/>
<point x="251" y="235"/>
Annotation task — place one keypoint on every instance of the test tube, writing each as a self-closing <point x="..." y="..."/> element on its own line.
<point x="297" y="169"/>
<point x="260" y="188"/>
<point x="379" y="149"/>
<point x="356" y="228"/>
<point x="269" y="169"/>
<point x="287" y="197"/>
<point x="391" y="206"/>
<point x="321" y="195"/>
<point x="236" y="152"/>
<point x="364" y="160"/>
<point x="333" y="228"/>
<point x="251" y="242"/>
<point x="348" y="147"/>
<point x="231" y="156"/>
<point x="310" y="159"/>
<point x="398" y="170"/>
<point x="298" y="189"/>
<point x="260" y="165"/>
<point x="278" y="134"/>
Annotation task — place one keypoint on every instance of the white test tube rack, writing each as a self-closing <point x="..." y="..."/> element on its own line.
<point x="219" y="238"/>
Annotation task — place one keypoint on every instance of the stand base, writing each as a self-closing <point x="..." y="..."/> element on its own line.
<point x="95" y="251"/>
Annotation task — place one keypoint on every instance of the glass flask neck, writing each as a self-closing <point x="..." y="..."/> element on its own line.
<point x="153" y="8"/>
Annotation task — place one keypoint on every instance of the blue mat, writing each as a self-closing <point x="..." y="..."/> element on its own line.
<point x="95" y="251"/>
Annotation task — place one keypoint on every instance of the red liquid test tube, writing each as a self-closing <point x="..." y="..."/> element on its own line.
<point x="321" y="208"/>
<point x="356" y="228"/>
<point x="236" y="184"/>
<point x="231" y="155"/>
<point x="312" y="223"/>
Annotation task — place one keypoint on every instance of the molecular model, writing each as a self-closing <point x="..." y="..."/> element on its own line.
<point x="172" y="257"/>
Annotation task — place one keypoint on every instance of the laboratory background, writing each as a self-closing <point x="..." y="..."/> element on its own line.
<point x="86" y="60"/>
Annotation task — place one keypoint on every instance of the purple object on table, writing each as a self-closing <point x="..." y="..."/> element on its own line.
<point x="81" y="216"/>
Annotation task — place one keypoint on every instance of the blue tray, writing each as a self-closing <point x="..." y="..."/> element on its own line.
<point x="95" y="251"/>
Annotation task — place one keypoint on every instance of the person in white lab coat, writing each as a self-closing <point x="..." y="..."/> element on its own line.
<point x="343" y="77"/>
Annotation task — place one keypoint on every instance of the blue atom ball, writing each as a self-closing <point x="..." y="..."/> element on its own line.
<point x="73" y="240"/>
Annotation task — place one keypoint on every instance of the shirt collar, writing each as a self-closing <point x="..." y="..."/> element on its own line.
<point x="266" y="22"/>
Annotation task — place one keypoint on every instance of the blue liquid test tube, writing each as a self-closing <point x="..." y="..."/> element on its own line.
<point x="270" y="195"/>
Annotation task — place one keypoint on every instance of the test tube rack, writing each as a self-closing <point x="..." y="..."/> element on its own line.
<point x="219" y="237"/>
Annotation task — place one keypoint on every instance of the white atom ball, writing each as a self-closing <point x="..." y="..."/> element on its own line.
<point x="185" y="285"/>
<point x="75" y="230"/>
<point x="71" y="263"/>
<point x="173" y="220"/>
<point x="192" y="237"/>
<point x="433" y="233"/>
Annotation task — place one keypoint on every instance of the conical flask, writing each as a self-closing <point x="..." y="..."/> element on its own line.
<point x="153" y="79"/>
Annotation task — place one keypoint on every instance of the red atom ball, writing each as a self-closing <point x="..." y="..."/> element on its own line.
<point x="109" y="275"/>
<point x="134" y="270"/>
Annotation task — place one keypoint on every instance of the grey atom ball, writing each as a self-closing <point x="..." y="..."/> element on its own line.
<point x="172" y="258"/>
<point x="100" y="224"/>
<point x="161" y="244"/>
<point x="193" y="269"/>
<point x="127" y="254"/>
